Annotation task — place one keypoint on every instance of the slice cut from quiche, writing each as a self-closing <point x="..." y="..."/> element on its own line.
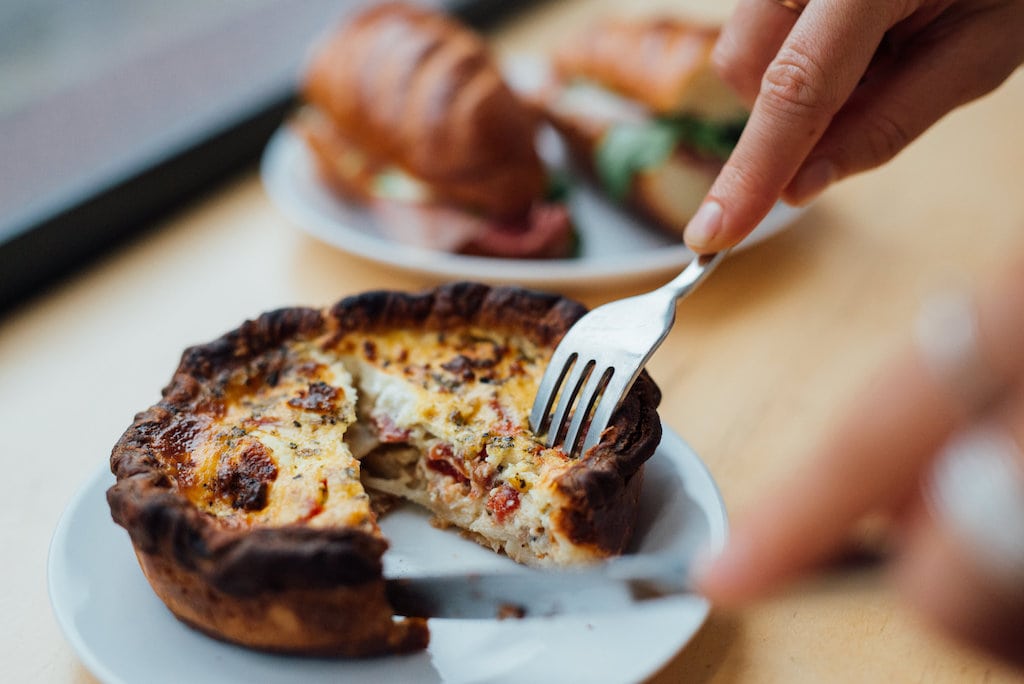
<point x="251" y="490"/>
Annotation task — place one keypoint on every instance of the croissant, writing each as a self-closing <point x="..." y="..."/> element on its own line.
<point x="406" y="87"/>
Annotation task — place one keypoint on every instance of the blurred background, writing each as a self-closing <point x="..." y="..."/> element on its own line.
<point x="114" y="111"/>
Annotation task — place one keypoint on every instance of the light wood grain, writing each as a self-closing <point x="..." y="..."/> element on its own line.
<point x="762" y="358"/>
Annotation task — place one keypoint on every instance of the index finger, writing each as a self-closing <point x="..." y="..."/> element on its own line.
<point x="813" y="74"/>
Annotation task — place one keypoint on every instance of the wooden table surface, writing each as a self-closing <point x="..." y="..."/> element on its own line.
<point x="761" y="360"/>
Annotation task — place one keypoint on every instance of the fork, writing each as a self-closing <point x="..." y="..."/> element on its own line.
<point x="600" y="357"/>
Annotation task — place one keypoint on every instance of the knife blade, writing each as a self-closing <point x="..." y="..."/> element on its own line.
<point x="612" y="586"/>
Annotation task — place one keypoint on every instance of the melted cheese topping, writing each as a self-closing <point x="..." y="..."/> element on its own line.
<point x="462" y="400"/>
<point x="274" y="454"/>
<point x="438" y="418"/>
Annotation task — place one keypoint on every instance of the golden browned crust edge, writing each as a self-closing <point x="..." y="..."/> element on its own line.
<point x="604" y="486"/>
<point x="345" y="620"/>
<point x="258" y="566"/>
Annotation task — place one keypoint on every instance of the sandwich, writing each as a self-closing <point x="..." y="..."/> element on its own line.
<point x="407" y="113"/>
<point x="643" y="112"/>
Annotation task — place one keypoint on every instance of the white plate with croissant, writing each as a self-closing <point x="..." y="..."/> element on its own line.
<point x="415" y="150"/>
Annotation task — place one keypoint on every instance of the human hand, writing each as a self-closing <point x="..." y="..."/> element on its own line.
<point x="842" y="87"/>
<point x="886" y="458"/>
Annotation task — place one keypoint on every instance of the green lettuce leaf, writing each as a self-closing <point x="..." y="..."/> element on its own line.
<point x="710" y="138"/>
<point x="629" y="148"/>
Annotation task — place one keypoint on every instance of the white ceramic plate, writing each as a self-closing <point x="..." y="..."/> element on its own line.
<point x="615" y="247"/>
<point x="123" y="633"/>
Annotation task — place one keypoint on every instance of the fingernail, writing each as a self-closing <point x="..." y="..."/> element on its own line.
<point x="810" y="181"/>
<point x="704" y="226"/>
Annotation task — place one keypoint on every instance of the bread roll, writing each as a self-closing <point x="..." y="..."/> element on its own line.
<point x="663" y="63"/>
<point x="413" y="89"/>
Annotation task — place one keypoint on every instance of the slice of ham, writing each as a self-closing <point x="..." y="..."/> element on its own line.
<point x="546" y="231"/>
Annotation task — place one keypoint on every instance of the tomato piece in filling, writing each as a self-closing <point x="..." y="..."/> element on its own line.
<point x="503" y="502"/>
<point x="441" y="459"/>
<point x="388" y="432"/>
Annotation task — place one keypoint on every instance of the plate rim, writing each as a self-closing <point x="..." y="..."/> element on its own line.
<point x="718" y="532"/>
<point x="603" y="270"/>
<point x="90" y="661"/>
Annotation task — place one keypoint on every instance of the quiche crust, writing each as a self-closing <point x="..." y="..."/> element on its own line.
<point x="248" y="491"/>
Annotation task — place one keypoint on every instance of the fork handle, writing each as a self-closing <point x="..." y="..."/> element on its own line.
<point x="697" y="270"/>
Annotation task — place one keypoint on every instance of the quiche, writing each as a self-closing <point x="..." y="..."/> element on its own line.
<point x="251" y="491"/>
